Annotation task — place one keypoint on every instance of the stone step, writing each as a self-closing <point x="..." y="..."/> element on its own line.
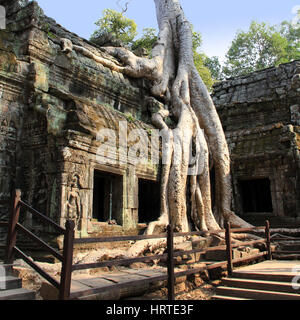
<point x="219" y="297"/>
<point x="263" y="276"/>
<point x="7" y="267"/>
<point x="17" y="294"/>
<point x="255" y="294"/>
<point x="255" y="284"/>
<point x="10" y="282"/>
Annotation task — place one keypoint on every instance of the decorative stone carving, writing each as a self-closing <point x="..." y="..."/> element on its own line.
<point x="74" y="202"/>
<point x="41" y="196"/>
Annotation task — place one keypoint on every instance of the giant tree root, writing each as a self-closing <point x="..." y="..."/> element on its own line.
<point x="176" y="82"/>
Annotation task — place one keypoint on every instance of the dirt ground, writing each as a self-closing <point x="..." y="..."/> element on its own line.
<point x="204" y="292"/>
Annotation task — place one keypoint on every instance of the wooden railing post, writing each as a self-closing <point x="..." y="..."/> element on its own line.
<point x="171" y="276"/>
<point x="66" y="270"/>
<point x="12" y="231"/>
<point x="228" y="248"/>
<point x="268" y="240"/>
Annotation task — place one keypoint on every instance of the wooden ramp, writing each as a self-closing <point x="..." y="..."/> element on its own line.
<point x="268" y="280"/>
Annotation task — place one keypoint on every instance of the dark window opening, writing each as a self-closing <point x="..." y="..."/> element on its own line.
<point x="107" y="197"/>
<point x="149" y="201"/>
<point x="256" y="195"/>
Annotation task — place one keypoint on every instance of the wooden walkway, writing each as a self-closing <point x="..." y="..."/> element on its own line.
<point x="268" y="280"/>
<point x="116" y="285"/>
<point x="270" y="268"/>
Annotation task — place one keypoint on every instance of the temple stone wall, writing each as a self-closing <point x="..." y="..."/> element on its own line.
<point x="54" y="103"/>
<point x="13" y="104"/>
<point x="260" y="114"/>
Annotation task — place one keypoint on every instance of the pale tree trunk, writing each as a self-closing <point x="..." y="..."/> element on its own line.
<point x="190" y="99"/>
<point x="176" y="81"/>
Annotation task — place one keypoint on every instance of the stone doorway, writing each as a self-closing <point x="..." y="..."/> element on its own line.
<point x="149" y="201"/>
<point x="256" y="195"/>
<point x="107" y="197"/>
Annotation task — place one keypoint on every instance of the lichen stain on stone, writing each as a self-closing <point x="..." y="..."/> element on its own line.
<point x="298" y="140"/>
<point x="56" y="120"/>
<point x="54" y="112"/>
<point x="8" y="62"/>
<point x="41" y="76"/>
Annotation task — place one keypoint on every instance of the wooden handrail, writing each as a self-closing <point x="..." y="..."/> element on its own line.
<point x="117" y="239"/>
<point x="171" y="275"/>
<point x="249" y="243"/>
<point x="252" y="257"/>
<point x="198" y="233"/>
<point x="142" y="237"/>
<point x="12" y="230"/>
<point x="66" y="270"/>
<point x="67" y="258"/>
<point x="39" y="270"/>
<point x="241" y="230"/>
<point x="40" y="242"/>
<point x="42" y="217"/>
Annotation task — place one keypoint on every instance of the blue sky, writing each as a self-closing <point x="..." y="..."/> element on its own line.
<point x="217" y="20"/>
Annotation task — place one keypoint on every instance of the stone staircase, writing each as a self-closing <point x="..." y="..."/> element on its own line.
<point x="257" y="286"/>
<point x="11" y="286"/>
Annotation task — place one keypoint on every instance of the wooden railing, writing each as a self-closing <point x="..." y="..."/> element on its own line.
<point x="229" y="246"/>
<point x="288" y="239"/>
<point x="67" y="257"/>
<point x="14" y="227"/>
<point x="170" y="254"/>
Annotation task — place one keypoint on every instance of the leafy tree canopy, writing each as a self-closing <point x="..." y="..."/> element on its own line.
<point x="114" y="26"/>
<point x="144" y="45"/>
<point x="262" y="46"/>
<point x="215" y="67"/>
<point x="200" y="59"/>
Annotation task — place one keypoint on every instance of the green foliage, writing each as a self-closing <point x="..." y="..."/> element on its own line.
<point x="215" y="68"/>
<point x="199" y="60"/>
<point x="262" y="46"/>
<point x="130" y="118"/>
<point x="197" y="39"/>
<point x="292" y="34"/>
<point x="144" y="45"/>
<point x="203" y="70"/>
<point x="115" y="23"/>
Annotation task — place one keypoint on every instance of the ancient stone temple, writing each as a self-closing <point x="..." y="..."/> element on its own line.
<point x="260" y="114"/>
<point x="54" y="103"/>
<point x="65" y="132"/>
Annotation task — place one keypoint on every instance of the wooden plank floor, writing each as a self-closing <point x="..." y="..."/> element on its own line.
<point x="282" y="267"/>
<point x="122" y="281"/>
